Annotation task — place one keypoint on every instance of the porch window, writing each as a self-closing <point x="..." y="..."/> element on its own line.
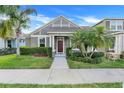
<point x="42" y="42"/>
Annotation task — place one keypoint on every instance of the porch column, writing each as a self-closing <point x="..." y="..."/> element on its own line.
<point x="38" y="41"/>
<point x="50" y="41"/>
<point x="45" y="42"/>
<point x="53" y="45"/>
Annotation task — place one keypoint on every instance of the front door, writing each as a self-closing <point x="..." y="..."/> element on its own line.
<point x="60" y="46"/>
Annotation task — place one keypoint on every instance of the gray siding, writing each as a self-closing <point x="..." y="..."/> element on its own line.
<point x="34" y="42"/>
<point x="47" y="42"/>
<point x="28" y="42"/>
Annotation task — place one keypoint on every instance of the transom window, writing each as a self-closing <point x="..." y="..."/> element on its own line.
<point x="116" y="25"/>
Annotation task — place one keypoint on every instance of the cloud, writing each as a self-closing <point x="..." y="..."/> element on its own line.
<point x="32" y="28"/>
<point x="41" y="18"/>
<point x="37" y="22"/>
<point x="89" y="19"/>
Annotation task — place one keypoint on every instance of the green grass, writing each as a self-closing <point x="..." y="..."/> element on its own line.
<point x="96" y="85"/>
<point x="105" y="64"/>
<point x="24" y="62"/>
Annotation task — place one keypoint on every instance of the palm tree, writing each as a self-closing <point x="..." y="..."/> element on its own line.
<point x="99" y="39"/>
<point x="6" y="26"/>
<point x="80" y="39"/>
<point x="21" y="22"/>
<point x="91" y="38"/>
<point x="18" y="19"/>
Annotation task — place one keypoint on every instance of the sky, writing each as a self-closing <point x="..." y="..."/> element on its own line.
<point x="82" y="15"/>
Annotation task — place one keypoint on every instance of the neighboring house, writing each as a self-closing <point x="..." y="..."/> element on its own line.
<point x="11" y="43"/>
<point x="114" y="27"/>
<point x="57" y="34"/>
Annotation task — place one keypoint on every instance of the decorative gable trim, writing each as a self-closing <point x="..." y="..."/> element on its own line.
<point x="62" y="17"/>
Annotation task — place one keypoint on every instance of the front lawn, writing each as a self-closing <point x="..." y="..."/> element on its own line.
<point x="24" y="62"/>
<point x="96" y="85"/>
<point x="105" y="64"/>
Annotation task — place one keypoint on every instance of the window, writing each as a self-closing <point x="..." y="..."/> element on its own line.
<point x="9" y="43"/>
<point x="116" y="25"/>
<point x="113" y="25"/>
<point x="119" y="25"/>
<point x="42" y="42"/>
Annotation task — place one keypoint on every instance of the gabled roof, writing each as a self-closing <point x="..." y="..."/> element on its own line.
<point x="48" y="27"/>
<point x="108" y="19"/>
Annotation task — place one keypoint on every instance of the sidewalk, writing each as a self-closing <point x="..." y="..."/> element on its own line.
<point x="59" y="73"/>
<point x="59" y="62"/>
<point x="61" y="76"/>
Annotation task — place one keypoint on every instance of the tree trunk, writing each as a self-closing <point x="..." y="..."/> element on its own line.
<point x="92" y="52"/>
<point x="4" y="43"/>
<point x="18" y="47"/>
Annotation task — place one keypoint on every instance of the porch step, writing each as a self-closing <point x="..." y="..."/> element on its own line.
<point x="60" y="55"/>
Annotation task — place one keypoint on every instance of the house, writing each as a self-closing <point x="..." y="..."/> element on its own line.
<point x="11" y="43"/>
<point x="114" y="27"/>
<point x="57" y="34"/>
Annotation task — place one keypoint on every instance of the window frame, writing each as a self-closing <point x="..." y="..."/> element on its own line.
<point x="116" y="25"/>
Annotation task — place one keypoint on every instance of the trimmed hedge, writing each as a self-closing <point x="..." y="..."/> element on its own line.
<point x="38" y="50"/>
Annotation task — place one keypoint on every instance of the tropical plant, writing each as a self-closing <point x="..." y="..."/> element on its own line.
<point x="6" y="25"/>
<point x="22" y="19"/>
<point x="92" y="39"/>
<point x="18" y="19"/>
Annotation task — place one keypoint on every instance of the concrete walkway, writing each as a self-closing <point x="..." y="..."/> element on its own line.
<point x="59" y="62"/>
<point x="59" y="73"/>
<point x="61" y="76"/>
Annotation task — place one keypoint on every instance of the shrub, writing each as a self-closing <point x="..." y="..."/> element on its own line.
<point x="122" y="55"/>
<point x="87" y="60"/>
<point x="92" y="60"/>
<point x="35" y="51"/>
<point x="68" y="51"/>
<point x="97" y="60"/>
<point x="97" y="54"/>
<point x="76" y="54"/>
<point x="6" y="51"/>
<point x="49" y="52"/>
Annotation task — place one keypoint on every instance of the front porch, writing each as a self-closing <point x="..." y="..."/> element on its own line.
<point x="59" y="43"/>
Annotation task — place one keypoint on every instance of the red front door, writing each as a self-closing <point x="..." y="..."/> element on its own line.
<point x="60" y="46"/>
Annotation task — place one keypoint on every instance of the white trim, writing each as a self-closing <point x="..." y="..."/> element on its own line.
<point x="39" y="35"/>
<point x="38" y="42"/>
<point x="53" y="45"/>
<point x="60" y="32"/>
<point x="45" y="42"/>
<point x="50" y="41"/>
